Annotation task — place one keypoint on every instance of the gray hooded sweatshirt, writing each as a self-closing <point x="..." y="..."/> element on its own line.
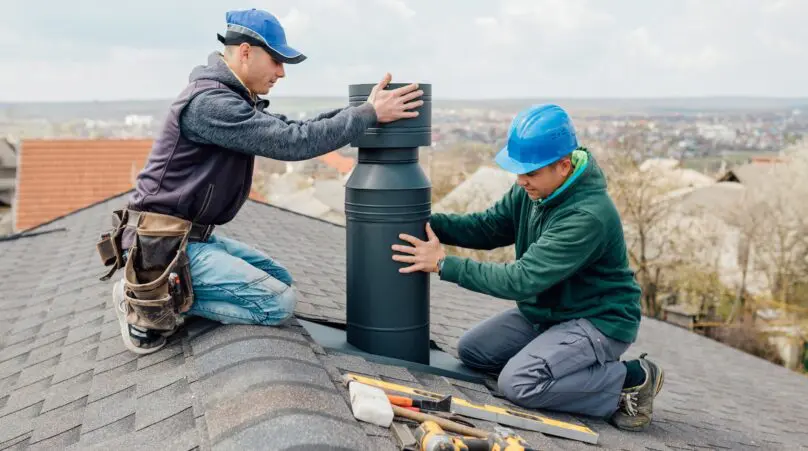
<point x="201" y="165"/>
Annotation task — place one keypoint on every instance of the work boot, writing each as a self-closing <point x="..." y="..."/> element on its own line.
<point x="636" y="406"/>
<point x="136" y="339"/>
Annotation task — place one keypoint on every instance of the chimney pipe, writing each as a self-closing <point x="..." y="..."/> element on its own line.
<point x="388" y="194"/>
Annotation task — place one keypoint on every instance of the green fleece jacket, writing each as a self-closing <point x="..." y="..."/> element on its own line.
<point x="571" y="258"/>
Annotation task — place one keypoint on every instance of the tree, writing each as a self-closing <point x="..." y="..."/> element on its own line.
<point x="746" y="214"/>
<point x="783" y="242"/>
<point x="661" y="238"/>
<point x="640" y="198"/>
<point x="772" y="218"/>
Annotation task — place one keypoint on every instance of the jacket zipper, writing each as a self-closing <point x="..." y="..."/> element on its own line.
<point x="206" y="203"/>
<point x="534" y="221"/>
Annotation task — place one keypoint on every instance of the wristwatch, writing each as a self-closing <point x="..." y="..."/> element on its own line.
<point x="440" y="265"/>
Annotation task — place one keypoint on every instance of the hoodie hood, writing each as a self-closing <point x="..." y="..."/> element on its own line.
<point x="216" y="69"/>
<point x="586" y="179"/>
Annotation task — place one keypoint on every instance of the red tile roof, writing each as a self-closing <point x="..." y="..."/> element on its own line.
<point x="340" y="163"/>
<point x="57" y="177"/>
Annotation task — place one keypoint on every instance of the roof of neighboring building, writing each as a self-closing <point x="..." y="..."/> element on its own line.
<point x="331" y="192"/>
<point x="721" y="199"/>
<point x="58" y="176"/>
<point x="318" y="198"/>
<point x="337" y="161"/>
<point x="672" y="175"/>
<point x="744" y="174"/>
<point x="479" y="191"/>
<point x="5" y="223"/>
<point x="67" y="382"/>
<point x="758" y="173"/>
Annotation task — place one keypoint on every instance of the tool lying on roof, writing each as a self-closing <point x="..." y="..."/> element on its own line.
<point x="444" y="405"/>
<point x="430" y="437"/>
<point x="370" y="404"/>
<point x="510" y="417"/>
<point x="449" y="425"/>
<point x="404" y="438"/>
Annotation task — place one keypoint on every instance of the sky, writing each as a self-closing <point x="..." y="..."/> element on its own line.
<point x="95" y="50"/>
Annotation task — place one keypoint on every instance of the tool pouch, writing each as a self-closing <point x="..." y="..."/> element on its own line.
<point x="157" y="276"/>
<point x="109" y="244"/>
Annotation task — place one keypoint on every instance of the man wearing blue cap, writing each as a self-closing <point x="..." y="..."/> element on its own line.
<point x="199" y="175"/>
<point x="577" y="302"/>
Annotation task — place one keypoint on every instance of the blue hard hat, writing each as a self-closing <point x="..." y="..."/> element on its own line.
<point x="538" y="136"/>
<point x="262" y="29"/>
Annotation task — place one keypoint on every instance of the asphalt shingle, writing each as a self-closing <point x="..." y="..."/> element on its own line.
<point x="26" y="396"/>
<point x="109" y="409"/>
<point x="67" y="382"/>
<point x="163" y="403"/>
<point x="59" y="441"/>
<point x="57" y="421"/>
<point x="117" y="428"/>
<point x="37" y="372"/>
<point x="19" y="422"/>
<point x="295" y="430"/>
<point x="176" y="432"/>
<point x="67" y="391"/>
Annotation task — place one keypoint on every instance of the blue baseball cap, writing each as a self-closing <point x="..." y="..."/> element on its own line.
<point x="262" y="29"/>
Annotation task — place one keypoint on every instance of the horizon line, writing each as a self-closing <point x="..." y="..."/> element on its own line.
<point x="459" y="99"/>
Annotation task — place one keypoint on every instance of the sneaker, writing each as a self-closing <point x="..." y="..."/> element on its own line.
<point x="136" y="339"/>
<point x="636" y="406"/>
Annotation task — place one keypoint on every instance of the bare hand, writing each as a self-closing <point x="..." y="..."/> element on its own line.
<point x="392" y="105"/>
<point x="424" y="256"/>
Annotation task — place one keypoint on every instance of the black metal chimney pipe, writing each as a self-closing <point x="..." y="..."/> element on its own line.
<point x="388" y="194"/>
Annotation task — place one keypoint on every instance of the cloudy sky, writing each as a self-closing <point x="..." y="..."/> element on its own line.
<point x="101" y="50"/>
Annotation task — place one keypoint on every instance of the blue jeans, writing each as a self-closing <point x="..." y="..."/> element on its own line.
<point x="237" y="284"/>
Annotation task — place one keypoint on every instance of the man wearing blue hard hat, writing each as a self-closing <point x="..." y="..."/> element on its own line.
<point x="199" y="175"/>
<point x="577" y="302"/>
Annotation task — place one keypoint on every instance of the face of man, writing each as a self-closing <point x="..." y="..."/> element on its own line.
<point x="541" y="183"/>
<point x="257" y="69"/>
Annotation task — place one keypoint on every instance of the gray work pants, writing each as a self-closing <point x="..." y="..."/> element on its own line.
<point x="570" y="367"/>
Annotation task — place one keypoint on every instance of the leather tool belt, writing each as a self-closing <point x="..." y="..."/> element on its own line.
<point x="157" y="277"/>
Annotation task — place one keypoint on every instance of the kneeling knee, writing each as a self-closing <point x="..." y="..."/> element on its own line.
<point x="464" y="351"/>
<point x="468" y="351"/>
<point x="285" y="277"/>
<point x="524" y="388"/>
<point x="282" y="308"/>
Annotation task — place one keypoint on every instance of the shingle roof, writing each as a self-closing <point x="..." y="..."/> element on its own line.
<point x="67" y="382"/>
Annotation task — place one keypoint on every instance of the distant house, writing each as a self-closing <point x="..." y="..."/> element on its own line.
<point x="60" y="176"/>
<point x="316" y="198"/>
<point x="671" y="175"/>
<point x="741" y="174"/>
<point x="8" y="173"/>
<point x="758" y="171"/>
<point x="681" y="315"/>
<point x="479" y="191"/>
